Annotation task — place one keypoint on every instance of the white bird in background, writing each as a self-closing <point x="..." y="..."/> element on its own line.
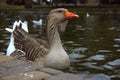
<point x="37" y="22"/>
<point x="11" y="47"/>
<point x="87" y="14"/>
<point x="35" y="1"/>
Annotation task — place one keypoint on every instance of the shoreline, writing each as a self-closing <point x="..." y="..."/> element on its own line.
<point x="79" y="9"/>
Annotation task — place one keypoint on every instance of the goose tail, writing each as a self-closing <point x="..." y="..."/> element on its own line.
<point x="12" y="46"/>
<point x="20" y="30"/>
<point x="19" y="34"/>
<point x="9" y="30"/>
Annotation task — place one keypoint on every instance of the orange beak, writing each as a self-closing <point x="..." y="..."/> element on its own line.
<point x="70" y="15"/>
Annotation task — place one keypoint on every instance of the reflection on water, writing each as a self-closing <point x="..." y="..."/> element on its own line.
<point x="93" y="43"/>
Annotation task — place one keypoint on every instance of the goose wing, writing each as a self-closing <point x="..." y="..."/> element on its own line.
<point x="33" y="48"/>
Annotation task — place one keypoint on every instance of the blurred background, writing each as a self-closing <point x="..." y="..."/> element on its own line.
<point x="92" y="41"/>
<point x="30" y="3"/>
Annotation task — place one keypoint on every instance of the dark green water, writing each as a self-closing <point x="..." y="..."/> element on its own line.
<point x="93" y="43"/>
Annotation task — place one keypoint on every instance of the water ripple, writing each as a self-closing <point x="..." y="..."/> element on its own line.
<point x="92" y="65"/>
<point x="104" y="51"/>
<point x="115" y="62"/>
<point x="80" y="49"/>
<point x="108" y="67"/>
<point x="76" y="56"/>
<point x="118" y="50"/>
<point x="117" y="39"/>
<point x="98" y="57"/>
<point x="116" y="45"/>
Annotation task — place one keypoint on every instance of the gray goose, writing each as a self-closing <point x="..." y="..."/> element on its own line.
<point x="47" y="53"/>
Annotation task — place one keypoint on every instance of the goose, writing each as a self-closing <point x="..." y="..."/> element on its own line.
<point x="11" y="47"/>
<point x="48" y="53"/>
<point x="37" y="22"/>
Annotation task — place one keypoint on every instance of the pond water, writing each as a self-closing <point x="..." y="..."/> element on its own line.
<point x="92" y="42"/>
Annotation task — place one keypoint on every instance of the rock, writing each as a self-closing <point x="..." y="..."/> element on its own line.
<point x="66" y="76"/>
<point x="3" y="71"/>
<point x="32" y="75"/>
<point x="51" y="71"/>
<point x="23" y="68"/>
<point x="13" y="63"/>
<point x="17" y="66"/>
<point x="4" y="58"/>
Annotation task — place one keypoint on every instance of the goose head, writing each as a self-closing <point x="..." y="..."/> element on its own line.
<point x="60" y="16"/>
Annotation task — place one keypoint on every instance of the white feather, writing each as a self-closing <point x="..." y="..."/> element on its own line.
<point x="14" y="25"/>
<point x="25" y="26"/>
<point x="11" y="47"/>
<point x="9" y="30"/>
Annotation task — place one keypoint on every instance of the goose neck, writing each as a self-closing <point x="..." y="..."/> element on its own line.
<point x="53" y="35"/>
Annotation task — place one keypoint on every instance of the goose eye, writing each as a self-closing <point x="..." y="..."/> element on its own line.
<point x="59" y="11"/>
